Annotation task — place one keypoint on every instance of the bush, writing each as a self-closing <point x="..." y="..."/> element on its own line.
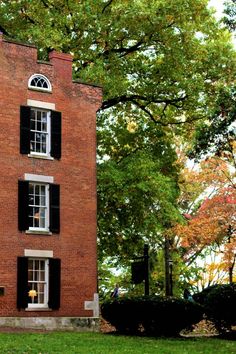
<point x="168" y="316"/>
<point x="219" y="305"/>
<point x="153" y="315"/>
<point x="123" y="314"/>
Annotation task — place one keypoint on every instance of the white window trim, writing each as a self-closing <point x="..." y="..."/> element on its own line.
<point x="45" y="304"/>
<point x="38" y="253"/>
<point x="47" y="106"/>
<point x="46" y="228"/>
<point x="41" y="104"/>
<point x="45" y="180"/>
<point x="48" y="136"/>
<point x="38" y="178"/>
<point x="49" y="89"/>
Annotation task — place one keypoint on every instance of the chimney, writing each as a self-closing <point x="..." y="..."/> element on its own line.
<point x="62" y="63"/>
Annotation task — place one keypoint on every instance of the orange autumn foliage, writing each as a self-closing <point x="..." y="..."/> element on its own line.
<point x="213" y="223"/>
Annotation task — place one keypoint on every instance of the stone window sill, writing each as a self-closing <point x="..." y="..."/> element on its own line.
<point x="44" y="157"/>
<point x="32" y="232"/>
<point x="38" y="309"/>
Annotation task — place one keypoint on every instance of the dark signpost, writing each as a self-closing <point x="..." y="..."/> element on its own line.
<point x="140" y="270"/>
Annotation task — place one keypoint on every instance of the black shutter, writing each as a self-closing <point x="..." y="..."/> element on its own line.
<point x="23" y="205"/>
<point x="54" y="283"/>
<point x="22" y="282"/>
<point x="56" y="134"/>
<point x="54" y="195"/>
<point x="24" y="130"/>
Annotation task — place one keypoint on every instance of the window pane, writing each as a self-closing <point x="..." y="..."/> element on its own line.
<point x="35" y="276"/>
<point x="44" y="125"/>
<point x="36" y="218"/>
<point x="41" y="291"/>
<point x="42" y="276"/>
<point x="37" y="200"/>
<point x="30" y="275"/>
<point x="42" y="200"/>
<point x="32" y="124"/>
<point x="43" y="138"/>
<point x="42" y="218"/>
<point x="39" y="115"/>
<point x="36" y="264"/>
<point x="38" y="137"/>
<point x="33" y="82"/>
<point x="32" y="114"/>
<point x="37" y="189"/>
<point x="44" y="148"/>
<point x="42" y="265"/>
<point x="42" y="190"/>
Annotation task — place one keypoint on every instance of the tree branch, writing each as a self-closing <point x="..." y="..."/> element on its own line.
<point x="45" y="4"/>
<point x="27" y="16"/>
<point x="123" y="51"/>
<point x="128" y="154"/>
<point x="3" y="31"/>
<point x="107" y="4"/>
<point x="132" y="98"/>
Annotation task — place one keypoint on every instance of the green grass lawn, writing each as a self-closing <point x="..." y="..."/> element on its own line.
<point x="98" y="343"/>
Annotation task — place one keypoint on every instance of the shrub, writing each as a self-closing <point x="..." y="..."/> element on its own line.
<point x="123" y="314"/>
<point x="153" y="315"/>
<point x="219" y="305"/>
<point x="168" y="316"/>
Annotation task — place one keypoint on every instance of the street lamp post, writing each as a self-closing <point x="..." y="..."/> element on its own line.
<point x="171" y="276"/>
<point x="231" y="266"/>
<point x="168" y="269"/>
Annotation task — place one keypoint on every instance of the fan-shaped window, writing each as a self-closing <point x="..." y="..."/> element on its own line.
<point x="39" y="82"/>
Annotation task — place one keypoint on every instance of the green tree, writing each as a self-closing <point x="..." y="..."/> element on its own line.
<point x="161" y="64"/>
<point x="216" y="135"/>
<point x="230" y="14"/>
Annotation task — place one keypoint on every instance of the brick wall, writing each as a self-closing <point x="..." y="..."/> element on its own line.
<point x="75" y="245"/>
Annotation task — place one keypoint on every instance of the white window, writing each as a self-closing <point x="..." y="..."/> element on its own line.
<point x="38" y="282"/>
<point x="40" y="131"/>
<point x="39" y="82"/>
<point x="38" y="207"/>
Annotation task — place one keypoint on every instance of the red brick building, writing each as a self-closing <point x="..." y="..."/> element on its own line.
<point x="48" y="263"/>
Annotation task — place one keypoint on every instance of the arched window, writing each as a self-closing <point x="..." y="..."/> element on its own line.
<point x="39" y="82"/>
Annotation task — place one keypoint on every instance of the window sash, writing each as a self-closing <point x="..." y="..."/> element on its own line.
<point x="38" y="280"/>
<point x="40" y="126"/>
<point x="39" y="82"/>
<point x="38" y="206"/>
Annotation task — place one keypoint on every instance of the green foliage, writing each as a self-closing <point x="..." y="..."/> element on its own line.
<point x="135" y="203"/>
<point x="154" y="315"/>
<point x="230" y="14"/>
<point x="215" y="136"/>
<point x="159" y="61"/>
<point x="219" y="305"/>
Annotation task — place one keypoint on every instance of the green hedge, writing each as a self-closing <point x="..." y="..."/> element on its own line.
<point x="152" y="315"/>
<point x="219" y="302"/>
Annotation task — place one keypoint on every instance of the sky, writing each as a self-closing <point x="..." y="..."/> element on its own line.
<point x="218" y="5"/>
